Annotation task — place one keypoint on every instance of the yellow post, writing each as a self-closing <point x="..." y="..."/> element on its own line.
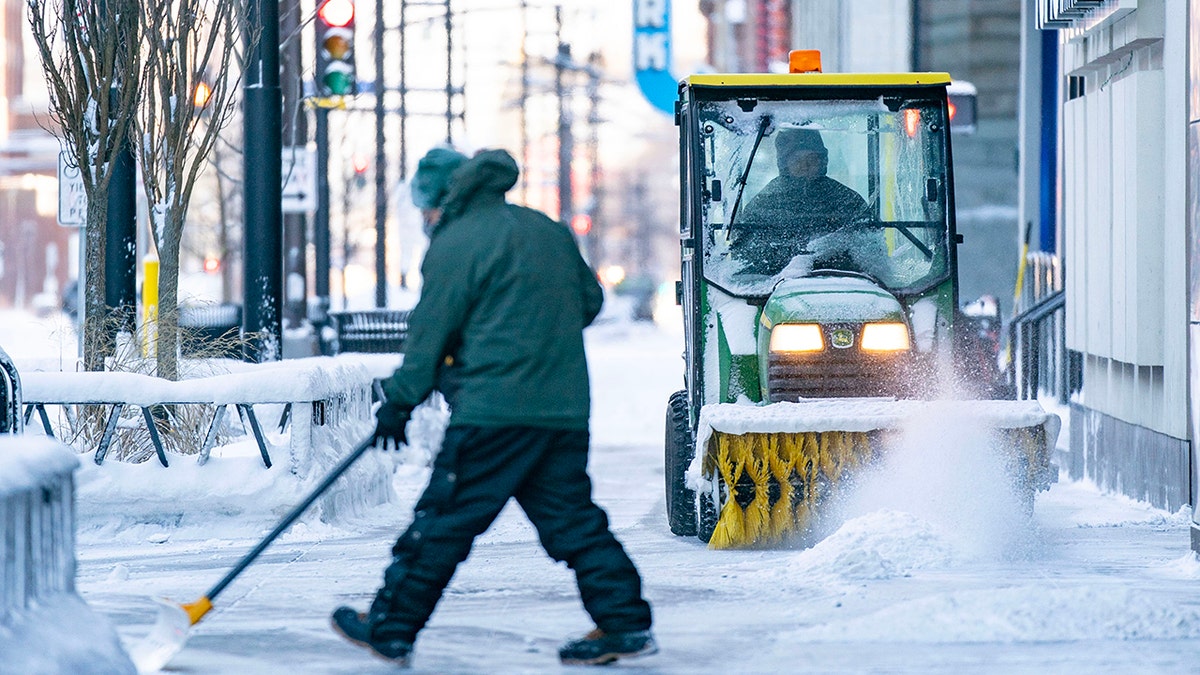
<point x="149" y="304"/>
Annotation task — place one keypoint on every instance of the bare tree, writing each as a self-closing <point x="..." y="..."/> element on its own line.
<point x="93" y="73"/>
<point x="190" y="51"/>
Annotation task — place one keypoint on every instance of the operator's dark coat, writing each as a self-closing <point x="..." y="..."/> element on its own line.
<point x="506" y="296"/>
<point x="789" y="212"/>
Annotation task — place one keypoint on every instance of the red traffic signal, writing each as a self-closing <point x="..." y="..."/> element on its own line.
<point x="336" y="13"/>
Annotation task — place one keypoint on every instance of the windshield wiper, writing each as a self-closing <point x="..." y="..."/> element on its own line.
<point x="763" y="125"/>
<point x="903" y="229"/>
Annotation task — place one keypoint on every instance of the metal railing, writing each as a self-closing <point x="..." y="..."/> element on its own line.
<point x="1041" y="362"/>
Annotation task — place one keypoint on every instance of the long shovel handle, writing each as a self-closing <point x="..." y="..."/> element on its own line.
<point x="170" y="631"/>
<point x="291" y="517"/>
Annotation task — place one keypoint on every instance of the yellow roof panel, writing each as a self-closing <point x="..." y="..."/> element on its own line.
<point x="815" y="79"/>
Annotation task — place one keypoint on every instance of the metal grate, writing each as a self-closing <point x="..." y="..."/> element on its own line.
<point x="378" y="331"/>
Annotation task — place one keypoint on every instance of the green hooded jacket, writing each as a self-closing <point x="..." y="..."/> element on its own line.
<point x="499" y="325"/>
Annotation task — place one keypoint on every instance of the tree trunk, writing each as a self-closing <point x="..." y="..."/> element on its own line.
<point x="167" y="350"/>
<point x="96" y="337"/>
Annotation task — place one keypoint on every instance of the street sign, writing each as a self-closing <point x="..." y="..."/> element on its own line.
<point x="652" y="53"/>
<point x="72" y="200"/>
<point x="299" y="179"/>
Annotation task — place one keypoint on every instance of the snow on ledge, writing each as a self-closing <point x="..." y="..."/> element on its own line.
<point x="310" y="379"/>
<point x="864" y="414"/>
<point x="30" y="461"/>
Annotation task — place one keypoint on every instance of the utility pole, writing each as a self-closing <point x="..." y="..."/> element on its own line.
<point x="524" y="104"/>
<point x="321" y="239"/>
<point x="263" y="241"/>
<point x="295" y="135"/>
<point x="120" y="259"/>
<point x="566" y="146"/>
<point x="403" y="90"/>
<point x="381" y="192"/>
<point x="594" y="240"/>
<point x="449" y="76"/>
<point x="120" y="248"/>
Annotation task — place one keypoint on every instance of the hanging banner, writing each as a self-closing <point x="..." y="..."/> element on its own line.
<point x="652" y="53"/>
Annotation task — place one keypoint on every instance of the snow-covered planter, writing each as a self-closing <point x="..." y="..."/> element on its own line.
<point x="329" y="397"/>
<point x="45" y="627"/>
<point x="331" y="411"/>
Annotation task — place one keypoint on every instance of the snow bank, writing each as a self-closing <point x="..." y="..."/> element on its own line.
<point x="1033" y="613"/>
<point x="1187" y="567"/>
<point x="881" y="545"/>
<point x="29" y="461"/>
<point x="45" y="627"/>
<point x="1083" y="504"/>
<point x="61" y="635"/>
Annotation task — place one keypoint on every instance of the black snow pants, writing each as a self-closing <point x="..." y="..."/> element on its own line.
<point x="477" y="471"/>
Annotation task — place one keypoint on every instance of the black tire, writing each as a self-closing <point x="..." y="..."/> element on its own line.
<point x="707" y="521"/>
<point x="681" y="501"/>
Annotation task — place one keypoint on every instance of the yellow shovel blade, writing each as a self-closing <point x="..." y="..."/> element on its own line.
<point x="168" y="635"/>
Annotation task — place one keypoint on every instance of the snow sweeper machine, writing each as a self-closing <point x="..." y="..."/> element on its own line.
<point x="819" y="288"/>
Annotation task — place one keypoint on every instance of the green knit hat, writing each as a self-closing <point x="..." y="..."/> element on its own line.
<point x="431" y="182"/>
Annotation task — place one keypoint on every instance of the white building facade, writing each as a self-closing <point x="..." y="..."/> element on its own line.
<point x="1129" y="148"/>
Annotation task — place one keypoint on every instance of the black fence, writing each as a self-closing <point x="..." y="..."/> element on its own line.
<point x="374" y="331"/>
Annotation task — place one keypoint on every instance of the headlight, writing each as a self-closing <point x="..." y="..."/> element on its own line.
<point x="885" y="337"/>
<point x="797" y="337"/>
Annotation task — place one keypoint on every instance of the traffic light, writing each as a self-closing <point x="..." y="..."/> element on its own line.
<point x="335" y="49"/>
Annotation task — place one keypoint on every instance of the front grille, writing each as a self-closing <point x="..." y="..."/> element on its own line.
<point x="836" y="373"/>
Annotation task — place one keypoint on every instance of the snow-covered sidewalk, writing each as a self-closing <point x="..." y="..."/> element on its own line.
<point x="932" y="571"/>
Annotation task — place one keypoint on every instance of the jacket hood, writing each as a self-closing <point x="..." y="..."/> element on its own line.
<point x="431" y="181"/>
<point x="488" y="174"/>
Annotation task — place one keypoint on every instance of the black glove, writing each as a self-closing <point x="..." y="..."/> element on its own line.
<point x="390" y="422"/>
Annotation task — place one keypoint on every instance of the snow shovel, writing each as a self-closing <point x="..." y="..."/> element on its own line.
<point x="170" y="631"/>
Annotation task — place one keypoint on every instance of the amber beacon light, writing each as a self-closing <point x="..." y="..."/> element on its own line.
<point x="804" y="61"/>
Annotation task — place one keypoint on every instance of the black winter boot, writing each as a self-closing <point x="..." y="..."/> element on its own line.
<point x="354" y="626"/>
<point x="598" y="648"/>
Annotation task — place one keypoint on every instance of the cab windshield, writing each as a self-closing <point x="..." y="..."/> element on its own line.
<point x="797" y="186"/>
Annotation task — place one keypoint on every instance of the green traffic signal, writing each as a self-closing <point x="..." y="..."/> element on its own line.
<point x="338" y="83"/>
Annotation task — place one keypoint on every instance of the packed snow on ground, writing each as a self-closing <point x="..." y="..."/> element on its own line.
<point x="928" y="566"/>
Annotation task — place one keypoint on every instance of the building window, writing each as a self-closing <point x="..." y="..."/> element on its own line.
<point x="1077" y="86"/>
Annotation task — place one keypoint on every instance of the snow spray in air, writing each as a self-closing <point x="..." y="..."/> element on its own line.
<point x="945" y="470"/>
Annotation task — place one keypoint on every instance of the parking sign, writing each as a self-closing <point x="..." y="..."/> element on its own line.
<point x="72" y="200"/>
